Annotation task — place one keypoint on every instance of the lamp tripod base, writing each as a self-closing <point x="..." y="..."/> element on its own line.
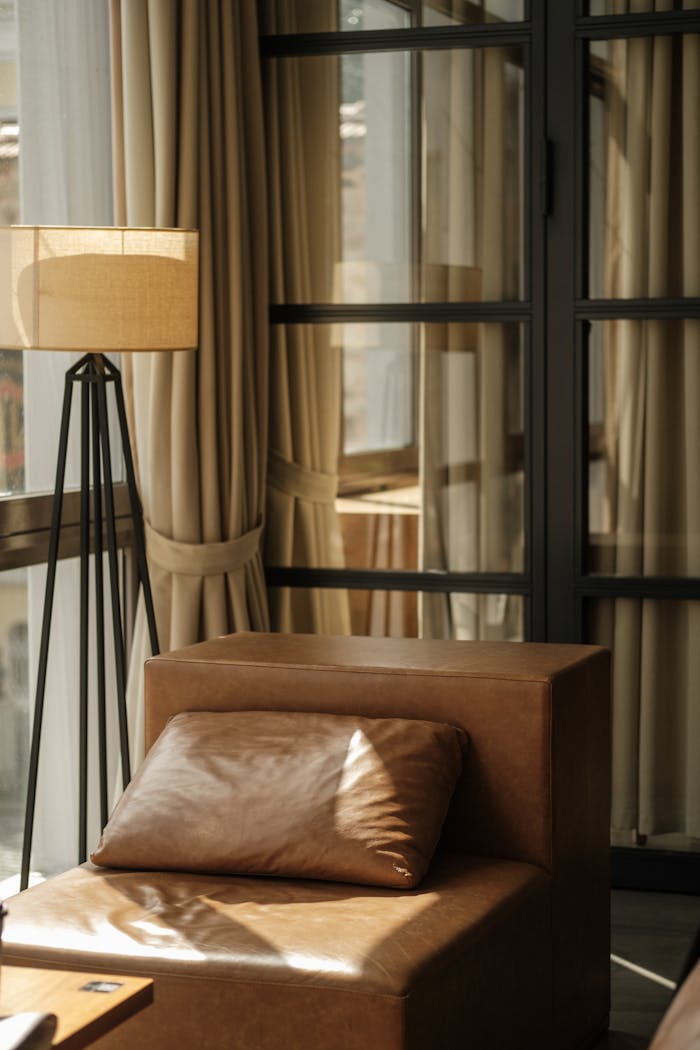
<point x="93" y="374"/>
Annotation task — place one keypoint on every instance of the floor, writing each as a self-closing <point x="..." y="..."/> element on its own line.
<point x="653" y="931"/>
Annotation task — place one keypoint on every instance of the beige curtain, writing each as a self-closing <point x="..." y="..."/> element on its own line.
<point x="652" y="438"/>
<point x="189" y="152"/>
<point x="303" y="529"/>
<point x="472" y="497"/>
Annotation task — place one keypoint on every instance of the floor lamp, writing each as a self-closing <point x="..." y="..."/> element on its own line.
<point x="95" y="290"/>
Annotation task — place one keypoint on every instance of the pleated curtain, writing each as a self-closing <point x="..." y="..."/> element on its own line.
<point x="302" y="525"/>
<point x="189" y="152"/>
<point x="652" y="430"/>
<point x="472" y="519"/>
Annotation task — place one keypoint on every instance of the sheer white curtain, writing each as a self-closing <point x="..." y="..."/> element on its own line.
<point x="472" y="496"/>
<point x="302" y="527"/>
<point x="65" y="179"/>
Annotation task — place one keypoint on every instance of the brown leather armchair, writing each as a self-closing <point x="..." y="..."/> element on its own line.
<point x="504" y="945"/>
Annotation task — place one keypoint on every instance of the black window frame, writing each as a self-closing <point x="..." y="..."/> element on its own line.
<point x="528" y="311"/>
<point x="569" y="315"/>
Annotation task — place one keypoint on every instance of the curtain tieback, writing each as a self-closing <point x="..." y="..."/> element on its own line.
<point x="201" y="559"/>
<point x="300" y="482"/>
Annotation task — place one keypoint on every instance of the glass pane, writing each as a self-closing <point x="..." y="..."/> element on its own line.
<point x="30" y="421"/>
<point x="473" y="617"/>
<point x="454" y="498"/>
<point x="635" y="7"/>
<point x="656" y="716"/>
<point x="473" y="163"/>
<point x="431" y="425"/>
<point x="372" y="14"/>
<point x="471" y="12"/>
<point x="14" y="718"/>
<point x="472" y="448"/>
<point x="373" y="263"/>
<point x="360" y="217"/>
<point x="9" y="156"/>
<point x="55" y="838"/>
<point x="12" y="465"/>
<point x="320" y="16"/>
<point x="643" y="441"/>
<point x="12" y="474"/>
<point x="644" y="176"/>
<point x="379" y="381"/>
<point x="408" y="614"/>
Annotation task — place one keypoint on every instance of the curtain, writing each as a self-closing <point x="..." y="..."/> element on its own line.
<point x="302" y="527"/>
<point x="472" y="494"/>
<point x="189" y="152"/>
<point x="651" y="433"/>
<point x="65" y="179"/>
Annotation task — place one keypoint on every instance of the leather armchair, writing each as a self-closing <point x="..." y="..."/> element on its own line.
<point x="503" y="946"/>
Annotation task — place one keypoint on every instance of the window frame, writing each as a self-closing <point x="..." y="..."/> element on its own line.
<point x="528" y="35"/>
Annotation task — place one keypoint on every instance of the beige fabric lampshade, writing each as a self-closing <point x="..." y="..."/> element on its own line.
<point x="98" y="289"/>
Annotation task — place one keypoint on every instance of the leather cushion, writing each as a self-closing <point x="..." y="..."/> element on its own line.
<point x="322" y="796"/>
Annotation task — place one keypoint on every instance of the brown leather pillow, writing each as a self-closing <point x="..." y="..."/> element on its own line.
<point x="288" y="793"/>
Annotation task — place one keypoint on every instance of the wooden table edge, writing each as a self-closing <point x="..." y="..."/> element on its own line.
<point x="103" y="1024"/>
<point x="139" y="994"/>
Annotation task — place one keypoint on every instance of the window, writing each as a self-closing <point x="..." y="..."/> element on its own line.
<point x="429" y="306"/>
<point x="30" y="407"/>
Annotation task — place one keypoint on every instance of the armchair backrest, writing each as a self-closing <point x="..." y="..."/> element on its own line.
<point x="535" y="785"/>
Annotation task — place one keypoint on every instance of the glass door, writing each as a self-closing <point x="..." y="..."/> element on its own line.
<point x="633" y="485"/>
<point x="405" y="290"/>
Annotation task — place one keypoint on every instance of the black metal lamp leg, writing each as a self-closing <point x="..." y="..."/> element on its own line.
<point x="45" y="632"/>
<point x="99" y="609"/>
<point x="136" y="510"/>
<point x="84" y="617"/>
<point x="119" y="656"/>
<point x="94" y="372"/>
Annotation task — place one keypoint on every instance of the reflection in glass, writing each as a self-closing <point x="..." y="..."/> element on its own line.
<point x="656" y="713"/>
<point x="473" y="617"/>
<point x="634" y="7"/>
<point x="473" y="194"/>
<point x="430" y="462"/>
<point x="319" y="16"/>
<point x="471" y="12"/>
<point x="472" y="451"/>
<point x="9" y="148"/>
<point x="14" y="718"/>
<point x="12" y="474"/>
<point x="12" y="460"/>
<point x="644" y="176"/>
<point x="404" y="614"/>
<point x="378" y="386"/>
<point x="358" y="219"/>
<point x="371" y="14"/>
<point x="643" y="441"/>
<point x="375" y="191"/>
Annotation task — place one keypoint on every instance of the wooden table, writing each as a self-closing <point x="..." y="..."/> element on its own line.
<point x="83" y="1014"/>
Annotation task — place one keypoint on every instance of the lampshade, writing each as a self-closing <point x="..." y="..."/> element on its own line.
<point x="98" y="289"/>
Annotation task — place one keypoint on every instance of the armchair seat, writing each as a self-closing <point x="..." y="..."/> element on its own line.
<point x="376" y="962"/>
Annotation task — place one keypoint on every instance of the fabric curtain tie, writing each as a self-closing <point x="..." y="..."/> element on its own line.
<point x="300" y="482"/>
<point x="201" y="559"/>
